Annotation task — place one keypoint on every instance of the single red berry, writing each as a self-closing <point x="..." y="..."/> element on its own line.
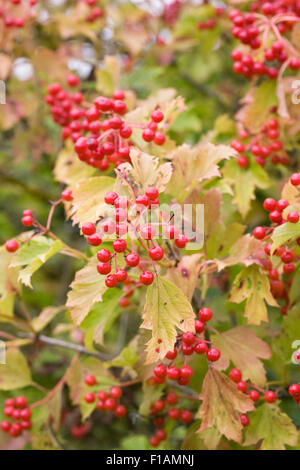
<point x="5" y="426"/>
<point x="171" y="232"/>
<point x="110" y="198"/>
<point x="20" y="402"/>
<point x="94" y="240"/>
<point x="186" y="372"/>
<point x="254" y="395"/>
<point x="160" y="370"/>
<point x="188" y="338"/>
<point x="110" y="404"/>
<point x="102" y="395"/>
<point x="186" y="416"/>
<point x="159" y="405"/>
<point x="181" y="241"/>
<point x="293" y="217"/>
<point x="148" y="135"/>
<point x="259" y="233"/>
<point x="26" y="424"/>
<point x="270" y="396"/>
<point x="157" y="116"/>
<point x="132" y="259"/>
<point x="27" y="220"/>
<point x="161" y="434"/>
<point x="200" y="347"/>
<point x="88" y="228"/>
<point x="174" y="413"/>
<point x="146" y="278"/>
<point x="187" y="349"/>
<point x="244" y="420"/>
<point x="205" y="314"/>
<point x="199" y="326"/>
<point x="243" y="161"/>
<point x="120" y="275"/>
<point x="103" y="268"/>
<point x="90" y="380"/>
<point x="15" y="429"/>
<point x="213" y="354"/>
<point x="72" y="80"/>
<point x="11" y="245"/>
<point x="116" y="392"/>
<point x="154" y="441"/>
<point x="67" y="195"/>
<point x="294" y="390"/>
<point x="156" y="253"/>
<point x="119" y="245"/>
<point x="242" y="386"/>
<point x="269" y="204"/>
<point x="120" y="411"/>
<point x="89" y="397"/>
<point x="173" y="373"/>
<point x="25" y="414"/>
<point x="172" y="354"/>
<point x="104" y="255"/>
<point x="172" y="398"/>
<point x="159" y="138"/>
<point x="9" y="402"/>
<point x="295" y="179"/>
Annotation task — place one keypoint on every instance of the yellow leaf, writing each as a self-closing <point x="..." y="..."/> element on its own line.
<point x="253" y="286"/>
<point x="69" y="169"/>
<point x="222" y="404"/>
<point x="166" y="309"/>
<point x="185" y="274"/>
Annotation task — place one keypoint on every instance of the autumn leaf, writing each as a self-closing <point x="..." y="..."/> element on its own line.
<point x="86" y="289"/>
<point x="192" y="165"/>
<point x="185" y="274"/>
<point x="222" y="405"/>
<point x="253" y="286"/>
<point x="246" y="250"/>
<point x="166" y="309"/>
<point x="9" y="285"/>
<point x="271" y="425"/>
<point x="241" y="346"/>
<point x="209" y="438"/>
<point x="33" y="254"/>
<point x="69" y="169"/>
<point x="145" y="171"/>
<point x="284" y="233"/>
<point x="108" y="77"/>
<point x="45" y="317"/>
<point x="88" y="199"/>
<point x="15" y="373"/>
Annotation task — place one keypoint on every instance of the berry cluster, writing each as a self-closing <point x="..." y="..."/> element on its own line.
<point x="100" y="136"/>
<point x="121" y="222"/>
<point x="16" y="409"/>
<point x="285" y="258"/>
<point x="9" y="18"/>
<point x="171" y="12"/>
<point x="165" y="409"/>
<point x="263" y="147"/>
<point x="105" y="401"/>
<point x="249" y="28"/>
<point x="254" y="394"/>
<point x="188" y="343"/>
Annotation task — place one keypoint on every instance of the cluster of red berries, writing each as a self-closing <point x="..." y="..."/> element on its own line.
<point x="294" y="391"/>
<point x="264" y="146"/>
<point x="171" y="12"/>
<point x="120" y="224"/>
<point x="210" y="23"/>
<point x="7" y="14"/>
<point x="95" y="11"/>
<point x="188" y="343"/>
<point x="98" y="142"/>
<point x="16" y="409"/>
<point x="105" y="401"/>
<point x="254" y="394"/>
<point x="246" y="28"/>
<point x="165" y="409"/>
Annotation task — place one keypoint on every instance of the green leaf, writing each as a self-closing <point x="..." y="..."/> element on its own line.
<point x="262" y="99"/>
<point x="166" y="309"/>
<point x="8" y="283"/>
<point x="15" y="373"/>
<point x="33" y="254"/>
<point x="209" y="438"/>
<point x="45" y="317"/>
<point x="273" y="426"/>
<point x="86" y="289"/>
<point x="285" y="233"/>
<point x="252" y="285"/>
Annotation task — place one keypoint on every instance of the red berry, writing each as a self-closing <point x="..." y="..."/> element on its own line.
<point x="242" y="386"/>
<point x="88" y="228"/>
<point x="181" y="241"/>
<point x="5" y="426"/>
<point x="11" y="245"/>
<point x="89" y="397"/>
<point x="282" y="204"/>
<point x="120" y="411"/>
<point x="270" y="396"/>
<point x="174" y="413"/>
<point x="293" y="217"/>
<point x="186" y="416"/>
<point x="200" y="347"/>
<point x="171" y="354"/>
<point x="205" y="314"/>
<point x="90" y="380"/>
<point x="199" y="326"/>
<point x="25" y="414"/>
<point x="269" y="204"/>
<point x="154" y="441"/>
<point x="188" y="338"/>
<point x="27" y="220"/>
<point x="159" y="405"/>
<point x="119" y="245"/>
<point x="67" y="195"/>
<point x="146" y="278"/>
<point x="72" y="80"/>
<point x="120" y="275"/>
<point x="172" y="398"/>
<point x="161" y="434"/>
<point x="148" y="135"/>
<point x="20" y="402"/>
<point x="295" y="179"/>
<point x="15" y="429"/>
<point x="132" y="259"/>
<point x="94" y="240"/>
<point x="186" y="372"/>
<point x="244" y="420"/>
<point x="103" y="268"/>
<point x="259" y="233"/>
<point x="102" y="395"/>
<point x="160" y="370"/>
<point x="254" y="395"/>
<point x="104" y="255"/>
<point x="213" y="354"/>
<point x="110" y="197"/>
<point x="157" y="116"/>
<point x="173" y="373"/>
<point x="171" y="232"/>
<point x="110" y="404"/>
<point x="116" y="392"/>
<point x="156" y="253"/>
<point x="294" y="390"/>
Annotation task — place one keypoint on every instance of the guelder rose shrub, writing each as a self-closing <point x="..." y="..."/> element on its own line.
<point x="119" y="330"/>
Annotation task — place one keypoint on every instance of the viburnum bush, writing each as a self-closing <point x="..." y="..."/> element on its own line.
<point x="123" y="324"/>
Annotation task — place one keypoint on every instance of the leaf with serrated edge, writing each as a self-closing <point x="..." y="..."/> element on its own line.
<point x="192" y="165"/>
<point x="222" y="404"/>
<point x="166" y="309"/>
<point x="69" y="169"/>
<point x="273" y="426"/>
<point x="241" y="346"/>
<point x="253" y="286"/>
<point x="33" y="254"/>
<point x="185" y="274"/>
<point x="88" y="199"/>
<point x="86" y="289"/>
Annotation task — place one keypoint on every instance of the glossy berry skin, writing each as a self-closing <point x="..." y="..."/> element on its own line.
<point x="120" y="275"/>
<point x="294" y="391"/>
<point x="152" y="193"/>
<point x="269" y="204"/>
<point x="154" y="441"/>
<point x="146" y="278"/>
<point x="171" y="354"/>
<point x="89" y="398"/>
<point x="119" y="245"/>
<point x="67" y="195"/>
<point x="160" y="370"/>
<point x="181" y="241"/>
<point x="110" y="197"/>
<point x="110" y="404"/>
<point x="103" y="268"/>
<point x="21" y="402"/>
<point x="186" y="372"/>
<point x="132" y="259"/>
<point x="242" y="386"/>
<point x="282" y="204"/>
<point x="88" y="228"/>
<point x="172" y="398"/>
<point x="173" y="373"/>
<point x="174" y="413"/>
<point x="157" y="116"/>
<point x="11" y="245"/>
<point x="94" y="240"/>
<point x="104" y="255"/>
<point x="270" y="396"/>
<point x="111" y="281"/>
<point x="254" y="395"/>
<point x="199" y="326"/>
<point x="295" y="179"/>
<point x="116" y="392"/>
<point x="161" y="434"/>
<point x="156" y="253"/>
<point x="5" y="426"/>
<point x="293" y="217"/>
<point x="200" y="347"/>
<point x="90" y="380"/>
<point x="213" y="354"/>
<point x="186" y="416"/>
<point x="25" y="414"/>
<point x="27" y="220"/>
<point x="188" y="338"/>
<point x="259" y="233"/>
<point x="120" y="411"/>
<point x="205" y="314"/>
